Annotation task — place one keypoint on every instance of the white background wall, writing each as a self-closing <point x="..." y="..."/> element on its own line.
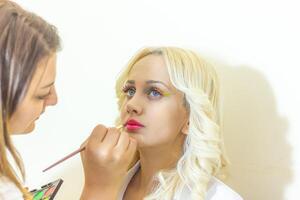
<point x="254" y="44"/>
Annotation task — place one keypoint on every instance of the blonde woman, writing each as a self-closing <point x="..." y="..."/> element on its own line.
<point x="169" y="105"/>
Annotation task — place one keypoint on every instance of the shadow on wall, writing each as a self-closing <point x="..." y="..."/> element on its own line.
<point x="255" y="135"/>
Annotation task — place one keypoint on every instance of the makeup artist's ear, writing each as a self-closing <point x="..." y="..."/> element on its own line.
<point x="185" y="128"/>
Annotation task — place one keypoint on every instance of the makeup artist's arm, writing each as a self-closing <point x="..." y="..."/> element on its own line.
<point x="105" y="161"/>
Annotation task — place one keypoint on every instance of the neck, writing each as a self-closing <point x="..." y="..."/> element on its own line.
<point x="154" y="159"/>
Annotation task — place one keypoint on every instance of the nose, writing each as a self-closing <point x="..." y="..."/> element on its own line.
<point x="134" y="106"/>
<point x="52" y="98"/>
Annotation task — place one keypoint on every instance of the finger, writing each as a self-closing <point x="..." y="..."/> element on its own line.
<point x="123" y="142"/>
<point x="132" y="147"/>
<point x="131" y="153"/>
<point x="97" y="135"/>
<point x="120" y="127"/>
<point x="84" y="143"/>
<point x="111" y="138"/>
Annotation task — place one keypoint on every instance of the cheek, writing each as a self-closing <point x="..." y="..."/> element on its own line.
<point x="25" y="116"/>
<point x="32" y="115"/>
<point x="123" y="113"/>
<point x="165" y="120"/>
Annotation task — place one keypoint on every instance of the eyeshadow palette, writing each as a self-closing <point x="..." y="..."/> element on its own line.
<point x="48" y="191"/>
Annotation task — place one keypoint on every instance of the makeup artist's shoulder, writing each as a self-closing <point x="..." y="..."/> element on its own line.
<point x="8" y="190"/>
<point x="217" y="190"/>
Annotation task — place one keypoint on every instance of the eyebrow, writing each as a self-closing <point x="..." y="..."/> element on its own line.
<point x="49" y="85"/>
<point x="150" y="82"/>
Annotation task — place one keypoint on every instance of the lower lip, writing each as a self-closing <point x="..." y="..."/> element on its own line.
<point x="130" y="127"/>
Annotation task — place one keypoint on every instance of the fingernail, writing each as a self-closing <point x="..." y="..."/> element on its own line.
<point x="119" y="127"/>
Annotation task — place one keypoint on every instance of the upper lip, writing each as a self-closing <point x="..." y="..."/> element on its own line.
<point x="133" y="122"/>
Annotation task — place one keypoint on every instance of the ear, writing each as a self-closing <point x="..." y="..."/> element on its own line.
<point x="185" y="128"/>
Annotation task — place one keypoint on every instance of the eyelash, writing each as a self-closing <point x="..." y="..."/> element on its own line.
<point x="126" y="88"/>
<point x="43" y="97"/>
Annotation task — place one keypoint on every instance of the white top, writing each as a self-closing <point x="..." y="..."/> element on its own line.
<point x="8" y="190"/>
<point x="217" y="190"/>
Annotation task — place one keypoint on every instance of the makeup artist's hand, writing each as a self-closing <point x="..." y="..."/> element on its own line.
<point x="106" y="159"/>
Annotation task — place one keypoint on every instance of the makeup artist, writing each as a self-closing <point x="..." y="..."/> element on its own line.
<point x="28" y="47"/>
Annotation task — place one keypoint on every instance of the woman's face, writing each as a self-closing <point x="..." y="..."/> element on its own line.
<point x="153" y="110"/>
<point x="41" y="93"/>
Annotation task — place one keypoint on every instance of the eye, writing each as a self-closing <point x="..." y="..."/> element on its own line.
<point x="42" y="97"/>
<point x="129" y="91"/>
<point x="154" y="93"/>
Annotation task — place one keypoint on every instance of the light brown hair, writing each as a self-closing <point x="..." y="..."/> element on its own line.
<point x="25" y="39"/>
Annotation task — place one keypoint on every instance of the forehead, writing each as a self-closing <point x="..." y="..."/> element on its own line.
<point x="44" y="74"/>
<point x="151" y="67"/>
<point x="47" y="70"/>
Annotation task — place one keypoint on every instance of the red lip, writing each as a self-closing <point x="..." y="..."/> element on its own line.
<point x="133" y="125"/>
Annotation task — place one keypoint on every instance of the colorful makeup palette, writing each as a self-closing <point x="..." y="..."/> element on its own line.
<point x="48" y="191"/>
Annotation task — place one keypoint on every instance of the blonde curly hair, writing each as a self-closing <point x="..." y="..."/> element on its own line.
<point x="203" y="152"/>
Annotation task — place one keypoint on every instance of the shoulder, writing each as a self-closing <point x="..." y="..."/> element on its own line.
<point x="218" y="190"/>
<point x="8" y="190"/>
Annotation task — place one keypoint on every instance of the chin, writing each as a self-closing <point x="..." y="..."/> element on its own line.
<point x="25" y="131"/>
<point x="29" y="129"/>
